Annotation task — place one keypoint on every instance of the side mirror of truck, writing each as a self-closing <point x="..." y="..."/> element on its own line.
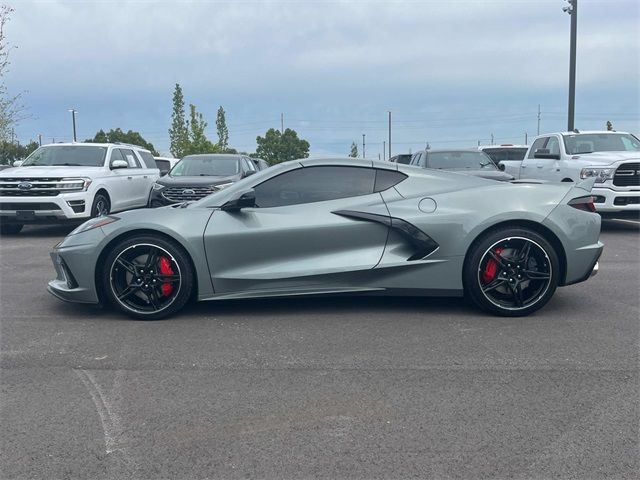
<point x="546" y="153"/>
<point x="17" y="163"/>
<point x="501" y="167"/>
<point x="118" y="164"/>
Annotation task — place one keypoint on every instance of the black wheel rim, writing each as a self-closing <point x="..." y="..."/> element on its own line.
<point x="145" y="278"/>
<point x="101" y="208"/>
<point x="515" y="273"/>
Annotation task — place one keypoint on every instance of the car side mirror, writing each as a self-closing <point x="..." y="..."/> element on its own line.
<point x="163" y="172"/>
<point x="118" y="164"/>
<point x="501" y="167"/>
<point x="248" y="173"/>
<point x="17" y="163"/>
<point x="244" y="199"/>
<point x="545" y="153"/>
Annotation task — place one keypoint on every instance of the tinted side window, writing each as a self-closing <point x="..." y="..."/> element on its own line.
<point x="539" y="143"/>
<point x="248" y="164"/>
<point x="115" y="155"/>
<point x="387" y="179"/>
<point x="148" y="159"/>
<point x="130" y="157"/>
<point x="315" y="184"/>
<point x="553" y="145"/>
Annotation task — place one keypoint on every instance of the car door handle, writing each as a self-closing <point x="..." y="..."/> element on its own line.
<point x="129" y="178"/>
<point x="146" y="176"/>
<point x="540" y="166"/>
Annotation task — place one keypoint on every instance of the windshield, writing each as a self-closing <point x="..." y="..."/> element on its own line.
<point x="206" y="166"/>
<point x="511" y="153"/>
<point x="460" y="160"/>
<point x="600" y="142"/>
<point x="67" y="155"/>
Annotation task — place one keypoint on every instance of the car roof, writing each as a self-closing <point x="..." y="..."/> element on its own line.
<point x="91" y="144"/>
<point x="599" y="132"/>
<point x="482" y="147"/>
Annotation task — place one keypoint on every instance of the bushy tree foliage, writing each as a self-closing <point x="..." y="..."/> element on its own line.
<point x="198" y="141"/>
<point x="223" y="131"/>
<point x="118" y="135"/>
<point x="10" y="152"/>
<point x="276" y="147"/>
<point x="179" y="131"/>
<point x="11" y="108"/>
<point x="354" y="150"/>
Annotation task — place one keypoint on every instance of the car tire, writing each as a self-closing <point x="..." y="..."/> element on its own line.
<point x="145" y="286"/>
<point x="10" y="228"/>
<point x="101" y="206"/>
<point x="511" y="272"/>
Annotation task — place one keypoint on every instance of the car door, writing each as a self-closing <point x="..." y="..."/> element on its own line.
<point x="139" y="179"/>
<point x="532" y="167"/>
<point x="119" y="183"/>
<point x="298" y="235"/>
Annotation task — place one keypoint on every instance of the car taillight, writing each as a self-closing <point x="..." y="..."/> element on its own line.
<point x="583" y="203"/>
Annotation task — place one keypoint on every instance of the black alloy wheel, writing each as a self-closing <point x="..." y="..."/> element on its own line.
<point x="512" y="272"/>
<point x="148" y="278"/>
<point x="101" y="206"/>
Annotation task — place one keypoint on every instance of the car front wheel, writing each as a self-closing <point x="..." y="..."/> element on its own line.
<point x="147" y="277"/>
<point x="511" y="272"/>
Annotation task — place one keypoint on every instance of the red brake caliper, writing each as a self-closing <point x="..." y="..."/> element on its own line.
<point x="491" y="268"/>
<point x="165" y="269"/>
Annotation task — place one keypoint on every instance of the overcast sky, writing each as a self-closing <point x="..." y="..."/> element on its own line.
<point x="453" y="72"/>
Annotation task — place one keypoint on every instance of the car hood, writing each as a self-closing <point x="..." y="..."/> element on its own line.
<point x="490" y="174"/>
<point x="606" y="158"/>
<point x="169" y="181"/>
<point x="49" y="172"/>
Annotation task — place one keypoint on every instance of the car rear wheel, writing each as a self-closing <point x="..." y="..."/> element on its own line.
<point x="148" y="277"/>
<point x="10" y="228"/>
<point x="511" y="272"/>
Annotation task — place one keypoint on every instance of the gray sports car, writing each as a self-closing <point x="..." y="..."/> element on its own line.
<point x="313" y="227"/>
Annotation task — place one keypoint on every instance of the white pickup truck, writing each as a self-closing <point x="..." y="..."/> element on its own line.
<point x="613" y="158"/>
<point x="73" y="182"/>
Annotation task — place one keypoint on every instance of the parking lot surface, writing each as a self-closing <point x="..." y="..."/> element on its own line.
<point x="349" y="387"/>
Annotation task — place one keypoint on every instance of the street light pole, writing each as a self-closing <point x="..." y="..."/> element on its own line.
<point x="73" y="116"/>
<point x="572" y="10"/>
<point x="363" y="150"/>
<point x="389" y="134"/>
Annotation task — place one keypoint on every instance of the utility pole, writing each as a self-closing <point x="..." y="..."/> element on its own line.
<point x="363" y="145"/>
<point x="13" y="136"/>
<point x="538" y="119"/>
<point x="572" y="10"/>
<point x="492" y="139"/>
<point x="73" y="116"/>
<point x="40" y="139"/>
<point x="389" y="134"/>
<point x="281" y="123"/>
<point x="526" y="139"/>
<point x="384" y="149"/>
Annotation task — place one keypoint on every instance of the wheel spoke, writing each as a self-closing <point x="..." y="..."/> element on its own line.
<point x="493" y="284"/>
<point x="498" y="258"/>
<point x="516" y="291"/>
<point x="127" y="292"/>
<point x="152" y="259"/>
<point x="168" y="278"/>
<point x="128" y="266"/>
<point x="533" y="275"/>
<point x="523" y="254"/>
<point x="152" y="295"/>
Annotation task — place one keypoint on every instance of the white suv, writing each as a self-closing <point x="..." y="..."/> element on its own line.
<point x="73" y="182"/>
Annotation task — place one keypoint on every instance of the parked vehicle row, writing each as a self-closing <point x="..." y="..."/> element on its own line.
<point x="470" y="162"/>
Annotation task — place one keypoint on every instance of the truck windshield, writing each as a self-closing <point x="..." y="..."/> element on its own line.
<point x="460" y="160"/>
<point x="600" y="142"/>
<point x="67" y="155"/>
<point x="205" y="166"/>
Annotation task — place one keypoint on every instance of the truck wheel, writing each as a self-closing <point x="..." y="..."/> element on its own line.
<point x="511" y="272"/>
<point x="10" y="228"/>
<point x="101" y="206"/>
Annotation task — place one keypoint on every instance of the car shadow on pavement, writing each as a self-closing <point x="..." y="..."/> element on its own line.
<point x="621" y="225"/>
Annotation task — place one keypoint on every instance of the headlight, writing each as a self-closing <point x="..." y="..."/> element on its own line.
<point x="95" y="223"/>
<point x="73" y="184"/>
<point x="601" y="174"/>
<point x="158" y="186"/>
<point x="222" y="186"/>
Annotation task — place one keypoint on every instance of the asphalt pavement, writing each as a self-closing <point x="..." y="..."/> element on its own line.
<point x="349" y="387"/>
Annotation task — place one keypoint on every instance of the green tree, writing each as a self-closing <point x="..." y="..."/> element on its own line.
<point x="118" y="136"/>
<point x="179" y="131"/>
<point x="11" y="108"/>
<point x="223" y="131"/>
<point x="354" y="150"/>
<point x="276" y="147"/>
<point x="10" y="151"/>
<point x="198" y="141"/>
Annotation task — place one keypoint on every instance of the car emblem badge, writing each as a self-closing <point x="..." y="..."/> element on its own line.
<point x="188" y="191"/>
<point x="25" y="186"/>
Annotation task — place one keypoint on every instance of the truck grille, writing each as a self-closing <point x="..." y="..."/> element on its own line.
<point x="186" y="194"/>
<point x="627" y="175"/>
<point x="29" y="187"/>
<point x="29" y="206"/>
